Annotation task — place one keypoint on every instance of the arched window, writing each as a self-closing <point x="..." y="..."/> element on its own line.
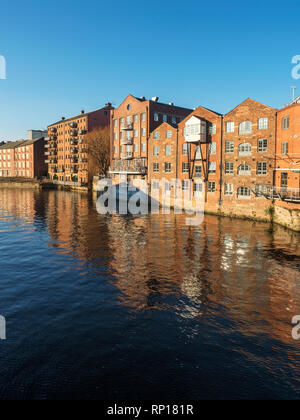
<point x="244" y="169"/>
<point x="245" y="127"/>
<point x="245" y="149"/>
<point x="243" y="192"/>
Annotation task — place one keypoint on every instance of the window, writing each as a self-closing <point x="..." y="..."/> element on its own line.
<point x="262" y="168"/>
<point x="245" y="127"/>
<point x="156" y="117"/>
<point x="169" y="134"/>
<point x="228" y="189"/>
<point x="243" y="192"/>
<point x="168" y="167"/>
<point x="229" y="147"/>
<point x="212" y="129"/>
<point x="245" y="149"/>
<point x="136" y="133"/>
<point x="229" y="168"/>
<point x="244" y="170"/>
<point x="155" y="167"/>
<point x="136" y="118"/>
<point x="156" y="135"/>
<point x="185" y="185"/>
<point x="185" y="149"/>
<point x="212" y="167"/>
<point x="143" y="117"/>
<point x="261" y="189"/>
<point x="285" y="148"/>
<point x="136" y="148"/>
<point x="286" y="123"/>
<point x="144" y="132"/>
<point x="230" y="127"/>
<point x="165" y="118"/>
<point x="198" y="187"/>
<point x="198" y="155"/>
<point x="168" y="150"/>
<point x="116" y="123"/>
<point x="284" y="180"/>
<point x="116" y="150"/>
<point x="198" y="171"/>
<point x="174" y="120"/>
<point x="185" y="167"/>
<point x="262" y="145"/>
<point x="128" y="120"/>
<point x="263" y="123"/>
<point x="155" y="185"/>
<point x="116" y="136"/>
<point x="143" y="147"/>
<point x="211" y="187"/>
<point x="156" y="150"/>
<point x="213" y="148"/>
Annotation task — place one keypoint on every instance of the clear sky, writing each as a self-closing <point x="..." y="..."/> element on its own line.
<point x="64" y="56"/>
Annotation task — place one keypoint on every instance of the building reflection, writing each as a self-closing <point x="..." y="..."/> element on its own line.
<point x="244" y="271"/>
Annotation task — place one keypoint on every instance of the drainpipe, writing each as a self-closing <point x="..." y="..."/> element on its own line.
<point x="221" y="162"/>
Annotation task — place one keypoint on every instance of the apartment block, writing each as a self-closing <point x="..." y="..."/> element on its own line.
<point x="24" y="158"/>
<point x="131" y="127"/>
<point x="287" y="175"/>
<point x="67" y="152"/>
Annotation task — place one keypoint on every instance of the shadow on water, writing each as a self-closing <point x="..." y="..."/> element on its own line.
<point x="112" y="306"/>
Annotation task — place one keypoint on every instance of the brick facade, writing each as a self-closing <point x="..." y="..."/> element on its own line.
<point x="67" y="154"/>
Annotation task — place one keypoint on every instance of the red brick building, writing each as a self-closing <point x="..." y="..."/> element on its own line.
<point x="131" y="126"/>
<point x="287" y="176"/>
<point x="23" y="159"/>
<point x="67" y="155"/>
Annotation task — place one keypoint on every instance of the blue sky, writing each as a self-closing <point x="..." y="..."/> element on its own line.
<point x="64" y="56"/>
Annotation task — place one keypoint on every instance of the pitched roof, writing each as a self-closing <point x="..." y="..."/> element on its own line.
<point x="250" y="100"/>
<point x="12" y="144"/>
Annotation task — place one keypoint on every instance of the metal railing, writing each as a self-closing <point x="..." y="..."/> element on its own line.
<point x="278" y="193"/>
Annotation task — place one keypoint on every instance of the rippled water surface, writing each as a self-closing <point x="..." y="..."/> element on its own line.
<point x="108" y="307"/>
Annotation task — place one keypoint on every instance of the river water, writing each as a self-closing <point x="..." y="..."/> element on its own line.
<point x="143" y="307"/>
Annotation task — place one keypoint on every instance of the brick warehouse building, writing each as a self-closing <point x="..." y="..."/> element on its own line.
<point x="132" y="124"/>
<point x="235" y="156"/>
<point x="67" y="154"/>
<point x="24" y="158"/>
<point x="248" y="146"/>
<point x="287" y="177"/>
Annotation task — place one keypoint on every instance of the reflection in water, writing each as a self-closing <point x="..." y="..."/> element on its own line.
<point x="228" y="289"/>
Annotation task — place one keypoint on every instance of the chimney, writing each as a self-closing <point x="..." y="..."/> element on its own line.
<point x="171" y="103"/>
<point x="142" y="98"/>
<point x="108" y="104"/>
<point x="155" y="99"/>
<point x="82" y="112"/>
<point x="63" y="118"/>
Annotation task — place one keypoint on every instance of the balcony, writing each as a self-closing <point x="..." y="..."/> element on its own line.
<point x="53" y="145"/>
<point x="128" y="141"/>
<point x="73" y="133"/>
<point x="127" y="127"/>
<point x="73" y="125"/>
<point x="74" y="151"/>
<point x="73" y="160"/>
<point x="81" y="132"/>
<point x="291" y="195"/>
<point x="137" y="168"/>
<point x="47" y="146"/>
<point x="61" y="170"/>
<point x="81" y="140"/>
<point x="82" y="160"/>
<point x="47" y="153"/>
<point x="74" y="170"/>
<point x="127" y="156"/>
<point x="53" y="153"/>
<point x="82" y="150"/>
<point x="53" y="137"/>
<point x="74" y="142"/>
<point x="53" y="130"/>
<point x="53" y="161"/>
<point x="47" y="162"/>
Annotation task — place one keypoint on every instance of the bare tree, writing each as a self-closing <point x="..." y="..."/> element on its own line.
<point x="98" y="145"/>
